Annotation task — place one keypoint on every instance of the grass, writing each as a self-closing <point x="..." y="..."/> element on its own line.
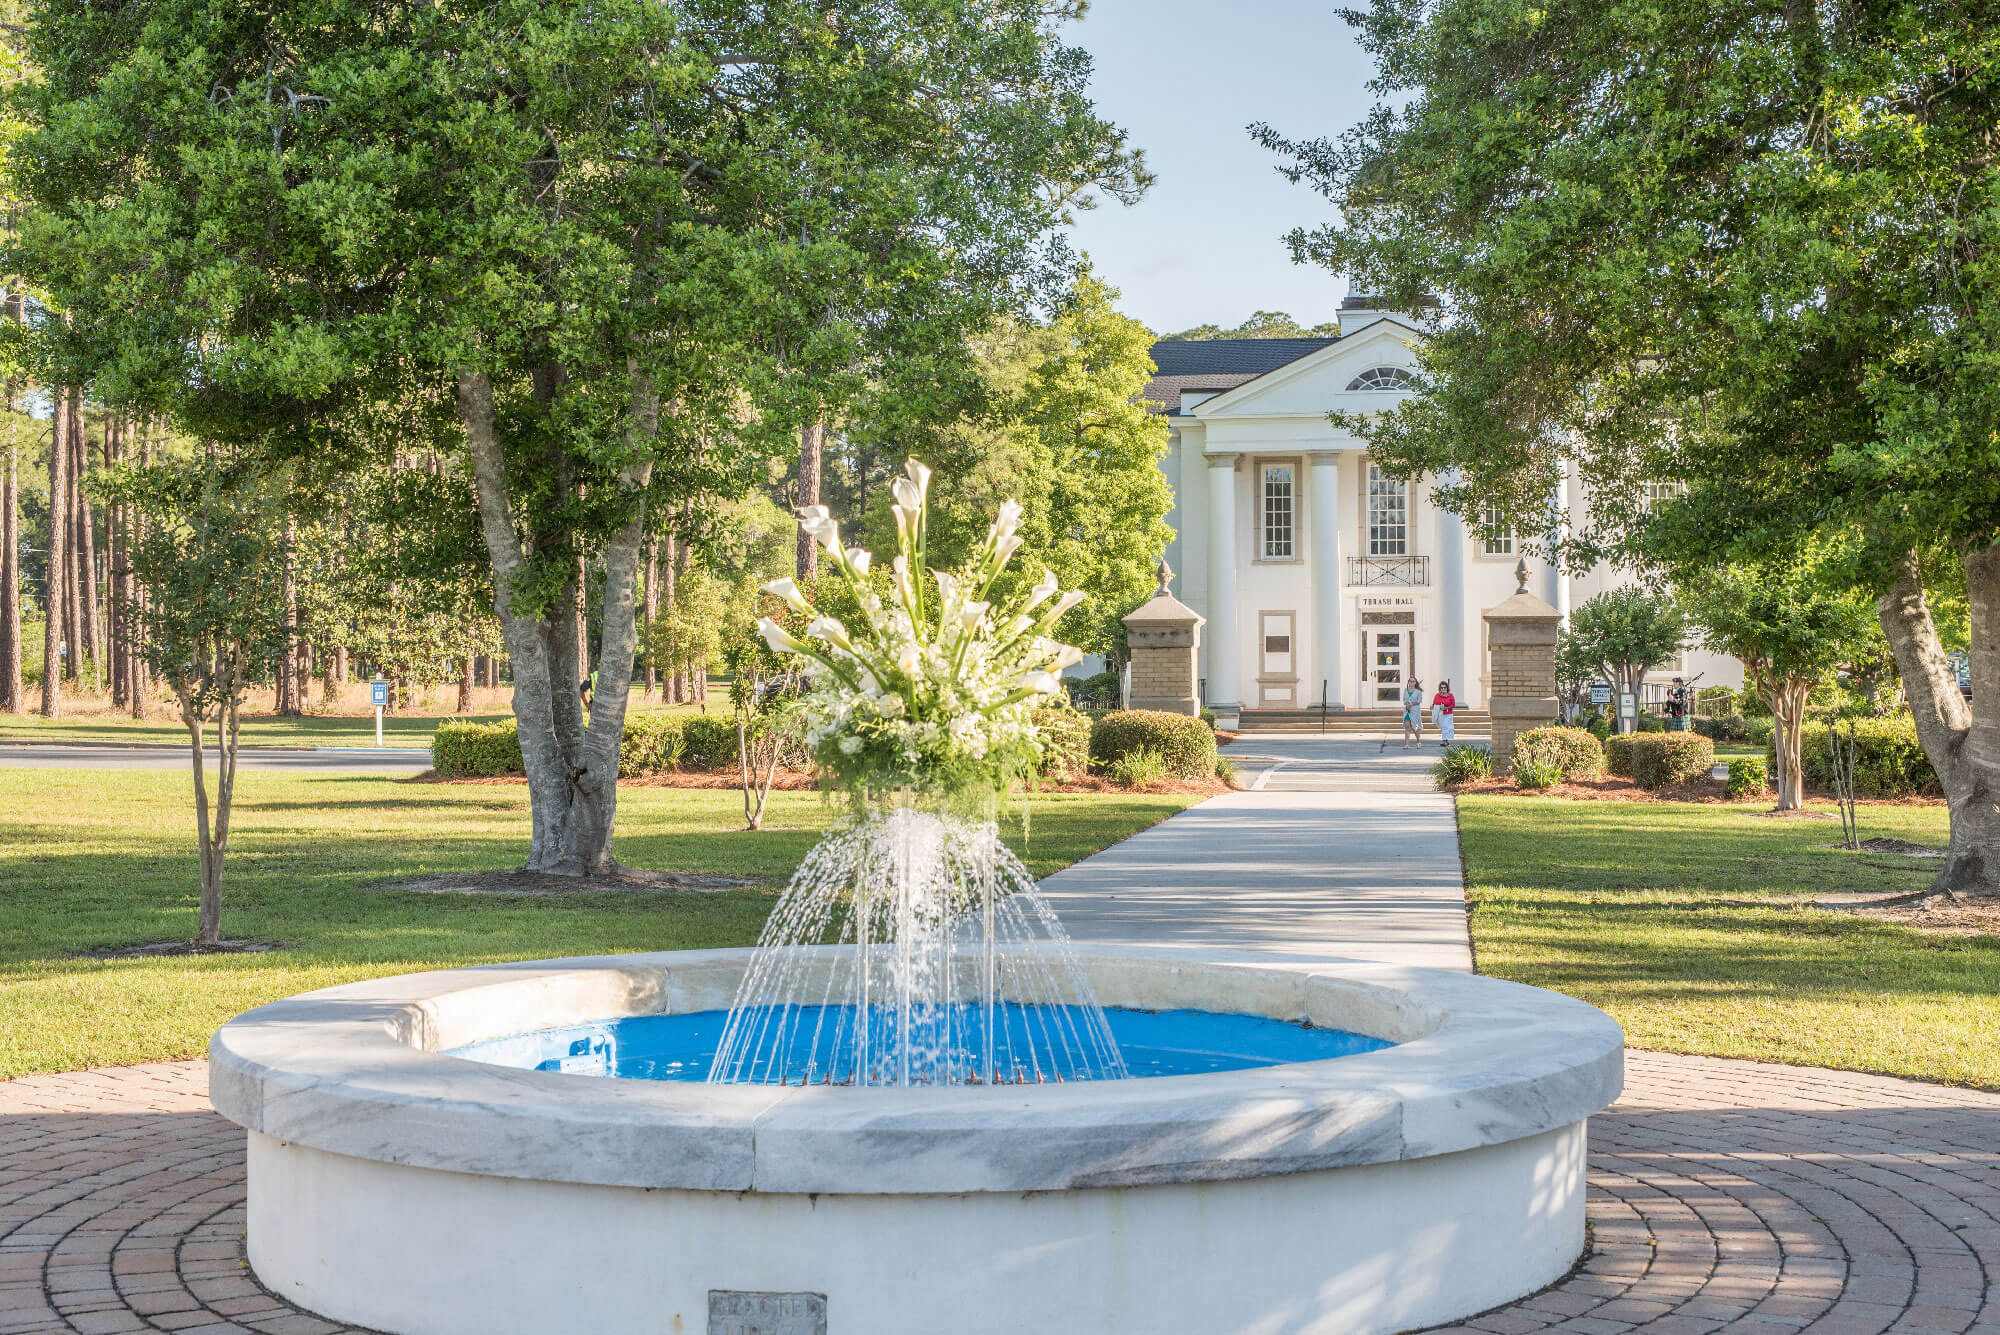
<point x="102" y="725"/>
<point x="95" y="858"/>
<point x="1689" y="924"/>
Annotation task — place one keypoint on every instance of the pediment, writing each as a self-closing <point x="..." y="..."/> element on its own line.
<point x="1316" y="383"/>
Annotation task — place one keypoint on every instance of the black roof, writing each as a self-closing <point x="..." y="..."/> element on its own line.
<point x="1230" y="356"/>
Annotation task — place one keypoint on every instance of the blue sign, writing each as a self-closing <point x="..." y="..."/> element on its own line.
<point x="378" y="693"/>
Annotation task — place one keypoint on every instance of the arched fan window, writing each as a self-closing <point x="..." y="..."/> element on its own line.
<point x="1382" y="377"/>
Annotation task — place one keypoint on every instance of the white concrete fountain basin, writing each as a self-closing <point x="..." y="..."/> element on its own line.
<point x="398" y="1188"/>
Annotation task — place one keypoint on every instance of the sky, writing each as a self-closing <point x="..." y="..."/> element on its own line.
<point x="1184" y="78"/>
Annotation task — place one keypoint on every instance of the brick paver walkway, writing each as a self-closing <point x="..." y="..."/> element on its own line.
<point x="1725" y="1196"/>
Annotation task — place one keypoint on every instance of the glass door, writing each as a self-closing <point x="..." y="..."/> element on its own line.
<point x="1388" y="665"/>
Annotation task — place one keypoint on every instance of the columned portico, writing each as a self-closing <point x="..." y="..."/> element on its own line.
<point x="1224" y="692"/>
<point x="1326" y="577"/>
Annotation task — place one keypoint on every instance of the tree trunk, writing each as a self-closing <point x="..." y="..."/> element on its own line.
<point x="13" y="692"/>
<point x="53" y="584"/>
<point x="652" y="610"/>
<point x="291" y="695"/>
<point x="1788" y="718"/>
<point x="812" y="446"/>
<point x="136" y="626"/>
<point x="86" y="532"/>
<point x="572" y="789"/>
<point x="465" y="685"/>
<point x="1963" y="747"/>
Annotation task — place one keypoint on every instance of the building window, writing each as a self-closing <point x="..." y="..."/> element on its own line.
<point x="1495" y="537"/>
<point x="1382" y="377"/>
<point x="1277" y="512"/>
<point x="1655" y="492"/>
<point x="1388" y="515"/>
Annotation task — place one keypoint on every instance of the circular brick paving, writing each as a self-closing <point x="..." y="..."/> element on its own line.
<point x="1725" y="1196"/>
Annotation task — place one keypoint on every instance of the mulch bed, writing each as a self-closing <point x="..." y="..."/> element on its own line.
<point x="159" y="949"/>
<point x="544" y="885"/>
<point x="1945" y="915"/>
<point x="1614" y="789"/>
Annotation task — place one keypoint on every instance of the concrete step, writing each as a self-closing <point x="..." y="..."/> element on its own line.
<point x="1352" y="722"/>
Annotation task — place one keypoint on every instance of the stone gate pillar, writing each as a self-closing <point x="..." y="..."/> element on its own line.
<point x="1521" y="667"/>
<point x="1164" y="635"/>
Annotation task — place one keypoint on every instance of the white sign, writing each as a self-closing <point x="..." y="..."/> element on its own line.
<point x="1600" y="693"/>
<point x="1628" y="705"/>
<point x="1388" y="602"/>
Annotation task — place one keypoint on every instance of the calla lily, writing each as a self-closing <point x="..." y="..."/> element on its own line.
<point x="781" y="640"/>
<point x="1008" y="522"/>
<point x="1042" y="683"/>
<point x="1045" y="589"/>
<point x="788" y="589"/>
<point x="860" y="558"/>
<point x="972" y="614"/>
<point x="920" y="474"/>
<point x="1008" y="546"/>
<point x="815" y="520"/>
<point x="831" y="631"/>
<point x="1068" y="656"/>
<point x="1063" y="604"/>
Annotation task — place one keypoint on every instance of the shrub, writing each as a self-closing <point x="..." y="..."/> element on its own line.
<point x="1208" y="716"/>
<point x="1663" y="758"/>
<point x="1537" y="773"/>
<point x="1618" y="755"/>
<point x="1225" y="770"/>
<point x="1064" y="741"/>
<point x="1461" y="764"/>
<point x="1598" y="727"/>
<point x="1652" y="723"/>
<point x="1721" y="727"/>
<point x="463" y="749"/>
<point x="1185" y="744"/>
<point x="1573" y="751"/>
<point x="708" y="742"/>
<point x="1757" y="731"/>
<point x="1753" y="706"/>
<point x="1140" y="767"/>
<point x="651" y="744"/>
<point x="1747" y="775"/>
<point x="1099" y="689"/>
<point x="1888" y="761"/>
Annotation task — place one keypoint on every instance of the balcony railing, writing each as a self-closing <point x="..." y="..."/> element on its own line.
<point x="1406" y="572"/>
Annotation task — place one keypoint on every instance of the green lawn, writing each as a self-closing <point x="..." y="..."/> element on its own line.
<point x="92" y="858"/>
<point x="261" y="730"/>
<point x="1688" y="923"/>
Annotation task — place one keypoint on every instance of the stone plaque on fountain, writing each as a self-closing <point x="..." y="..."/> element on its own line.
<point x="739" y="1312"/>
<point x="1164" y="636"/>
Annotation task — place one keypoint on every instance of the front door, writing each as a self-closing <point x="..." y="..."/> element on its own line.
<point x="1388" y="658"/>
<point x="1277" y="671"/>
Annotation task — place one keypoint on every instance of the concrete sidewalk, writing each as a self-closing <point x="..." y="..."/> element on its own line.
<point x="1336" y="848"/>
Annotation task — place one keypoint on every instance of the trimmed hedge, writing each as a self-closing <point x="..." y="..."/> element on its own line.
<point x="1888" y="762"/>
<point x="462" y="749"/>
<point x="1747" y="775"/>
<point x="1064" y="741"/>
<point x="1573" y="751"/>
<point x="652" y="744"/>
<point x="1722" y="727"/>
<point x="1186" y="744"/>
<point x="1618" y="754"/>
<point x="1661" y="758"/>
<point x="708" y="742"/>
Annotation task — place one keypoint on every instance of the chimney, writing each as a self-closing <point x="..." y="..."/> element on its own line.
<point x="1358" y="310"/>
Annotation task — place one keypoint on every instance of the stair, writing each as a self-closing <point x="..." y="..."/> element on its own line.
<point x="1355" y="722"/>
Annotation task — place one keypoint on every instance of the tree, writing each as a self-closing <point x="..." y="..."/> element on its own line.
<point x="212" y="558"/>
<point x="1064" y="434"/>
<point x="1793" y="624"/>
<point x="1264" y="324"/>
<point x="1627" y="633"/>
<point x="614" y="252"/>
<point x="1750" y="248"/>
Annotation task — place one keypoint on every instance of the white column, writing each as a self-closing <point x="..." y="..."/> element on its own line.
<point x="1450" y="576"/>
<point x="1220" y="633"/>
<point x="1326" y="572"/>
<point x="1557" y="595"/>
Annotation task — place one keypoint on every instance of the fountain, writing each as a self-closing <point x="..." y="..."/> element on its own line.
<point x="914" y="1107"/>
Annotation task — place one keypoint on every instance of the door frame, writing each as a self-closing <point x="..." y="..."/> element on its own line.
<point x="1284" y="686"/>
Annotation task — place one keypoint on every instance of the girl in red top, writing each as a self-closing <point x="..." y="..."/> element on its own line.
<point x="1442" y="705"/>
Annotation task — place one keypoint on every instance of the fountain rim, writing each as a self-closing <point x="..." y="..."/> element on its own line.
<point x="359" y="1070"/>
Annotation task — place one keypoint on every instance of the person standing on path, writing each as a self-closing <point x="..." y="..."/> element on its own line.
<point x="1413" y="714"/>
<point x="1442" y="705"/>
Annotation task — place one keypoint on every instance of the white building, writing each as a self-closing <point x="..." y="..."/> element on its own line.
<point x="1321" y="578"/>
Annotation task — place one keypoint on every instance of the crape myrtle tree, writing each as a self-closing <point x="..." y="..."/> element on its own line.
<point x="1625" y="633"/>
<point x="581" y="238"/>
<point x="1794" y="620"/>
<point x="1749" y="246"/>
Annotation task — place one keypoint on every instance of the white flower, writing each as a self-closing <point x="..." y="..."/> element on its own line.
<point x="1067" y="655"/>
<point x="849" y="744"/>
<point x="972" y="614"/>
<point x="781" y="640"/>
<point x="1008" y="521"/>
<point x="828" y="629"/>
<point x="788" y="589"/>
<point x="1046" y="683"/>
<point x="1045" y="589"/>
<point x="860" y="558"/>
<point x="818" y="522"/>
<point x="1063" y="604"/>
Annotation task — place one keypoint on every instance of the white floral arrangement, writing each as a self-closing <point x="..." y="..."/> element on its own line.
<point x="934" y="685"/>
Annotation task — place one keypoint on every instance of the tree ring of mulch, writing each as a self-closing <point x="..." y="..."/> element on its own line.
<point x="159" y="949"/>
<point x="1900" y="847"/>
<point x="1942" y="914"/>
<point x="520" y="881"/>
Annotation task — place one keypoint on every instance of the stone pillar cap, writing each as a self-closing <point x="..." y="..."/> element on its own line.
<point x="1163" y="607"/>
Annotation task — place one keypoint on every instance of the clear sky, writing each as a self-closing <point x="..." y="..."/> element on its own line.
<point x="1184" y="77"/>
